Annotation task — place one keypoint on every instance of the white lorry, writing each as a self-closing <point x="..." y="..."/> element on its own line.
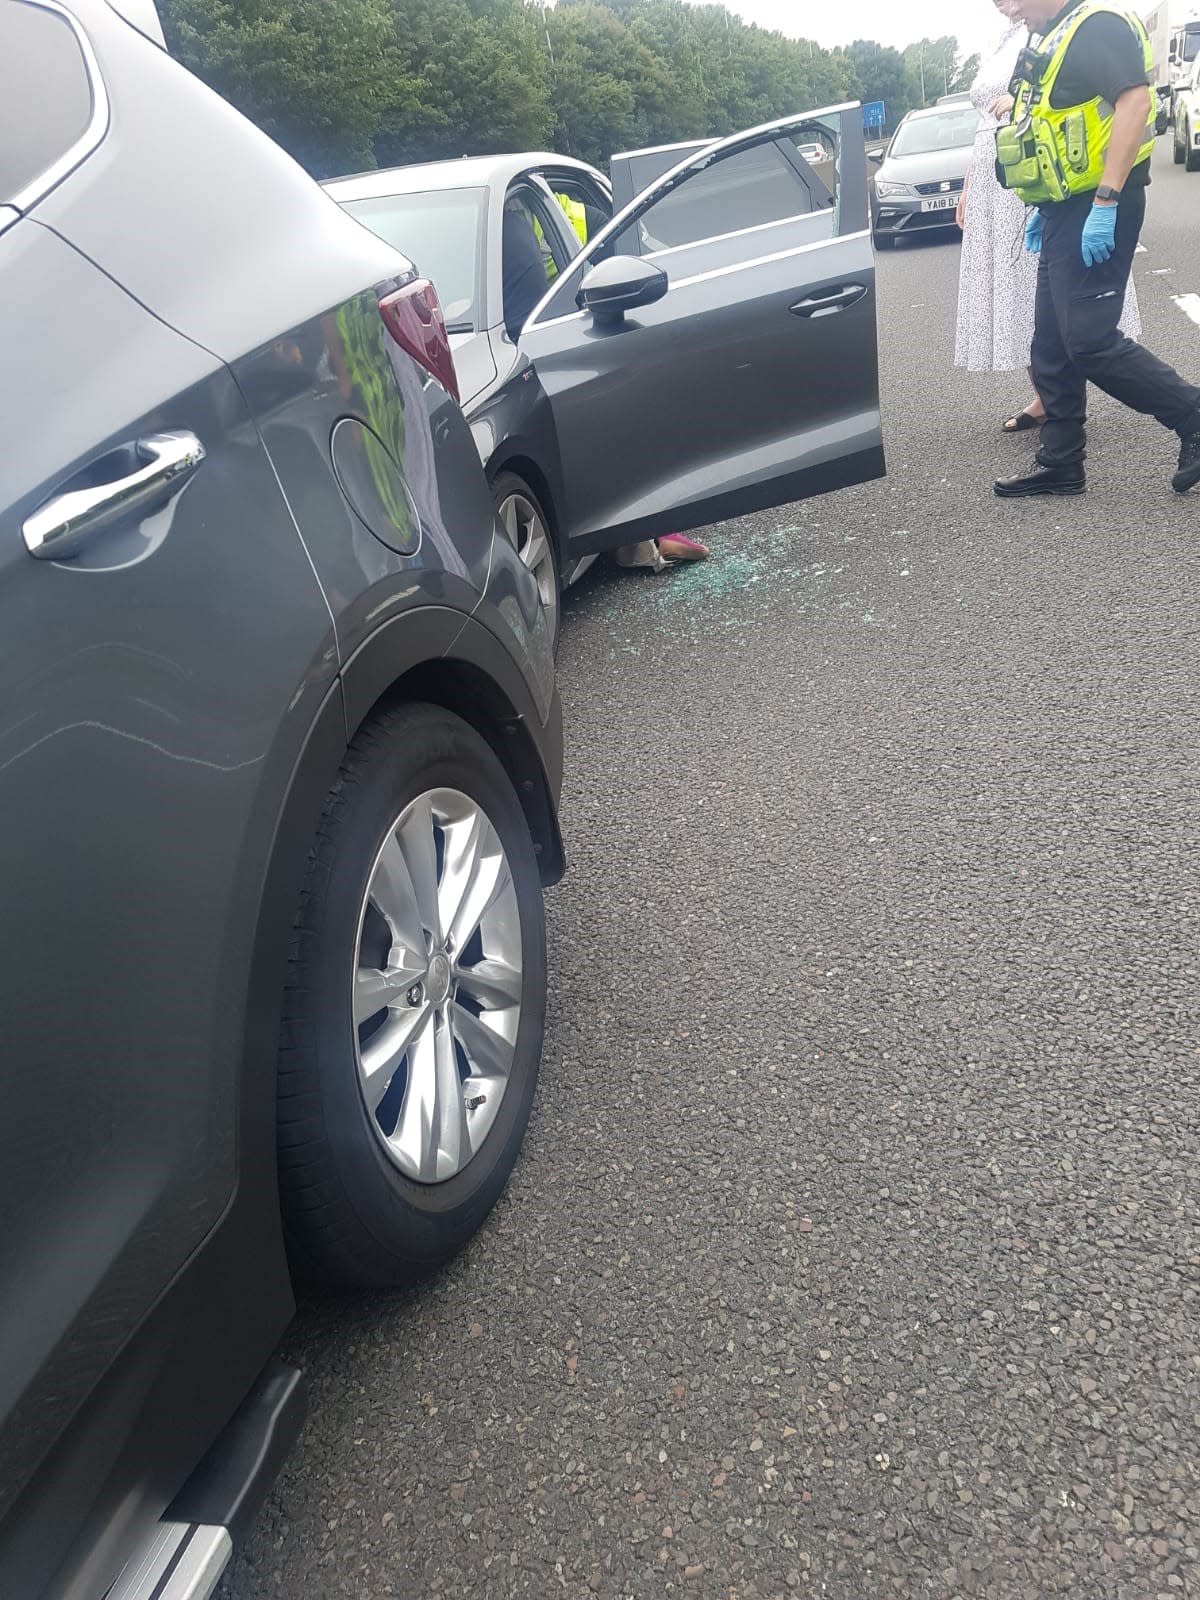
<point x="1187" y="120"/>
<point x="1174" y="30"/>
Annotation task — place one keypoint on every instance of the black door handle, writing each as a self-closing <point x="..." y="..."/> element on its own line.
<point x="830" y="300"/>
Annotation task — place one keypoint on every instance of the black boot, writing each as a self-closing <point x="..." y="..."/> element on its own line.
<point x="1045" y="480"/>
<point x="1189" y="464"/>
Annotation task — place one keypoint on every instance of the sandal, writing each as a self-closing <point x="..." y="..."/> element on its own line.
<point x="678" y="547"/>
<point x="1023" y="421"/>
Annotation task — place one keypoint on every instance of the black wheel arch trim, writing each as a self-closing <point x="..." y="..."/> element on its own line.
<point x="435" y="654"/>
<point x="524" y="464"/>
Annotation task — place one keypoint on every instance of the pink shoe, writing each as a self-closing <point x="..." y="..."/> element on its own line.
<point x="678" y="547"/>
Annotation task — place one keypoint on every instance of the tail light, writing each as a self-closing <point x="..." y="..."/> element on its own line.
<point x="412" y="315"/>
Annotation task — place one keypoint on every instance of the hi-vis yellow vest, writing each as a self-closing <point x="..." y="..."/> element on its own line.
<point x="576" y="215"/>
<point x="1045" y="154"/>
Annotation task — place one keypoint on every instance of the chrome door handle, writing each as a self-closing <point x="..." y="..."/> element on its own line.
<point x="61" y="527"/>
<point x="820" y="305"/>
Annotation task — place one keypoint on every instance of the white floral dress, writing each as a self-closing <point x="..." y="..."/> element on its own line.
<point x="997" y="281"/>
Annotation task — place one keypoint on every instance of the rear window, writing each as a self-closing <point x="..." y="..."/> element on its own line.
<point x="948" y="131"/>
<point x="440" y="231"/>
<point x="45" y="95"/>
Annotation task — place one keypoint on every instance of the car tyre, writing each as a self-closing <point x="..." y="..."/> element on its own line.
<point x="365" y="1202"/>
<point x="1178" y="147"/>
<point x="1191" y="155"/>
<point x="883" y="241"/>
<point x="524" y="520"/>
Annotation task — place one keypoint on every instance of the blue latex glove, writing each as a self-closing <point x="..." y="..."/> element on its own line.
<point x="1099" y="235"/>
<point x="1033" y="233"/>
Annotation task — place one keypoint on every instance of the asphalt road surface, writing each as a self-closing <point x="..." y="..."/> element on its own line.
<point x="854" y="1247"/>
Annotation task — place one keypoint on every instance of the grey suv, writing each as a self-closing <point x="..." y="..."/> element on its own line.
<point x="280" y="744"/>
<point x="279" y="765"/>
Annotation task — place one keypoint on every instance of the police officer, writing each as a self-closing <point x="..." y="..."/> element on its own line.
<point x="1078" y="148"/>
<point x="576" y="215"/>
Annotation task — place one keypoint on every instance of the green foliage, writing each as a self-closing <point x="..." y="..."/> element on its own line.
<point x="480" y="76"/>
<point x="347" y="84"/>
<point x="932" y="66"/>
<point x="314" y="74"/>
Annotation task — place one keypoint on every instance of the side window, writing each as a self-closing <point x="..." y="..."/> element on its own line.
<point x="750" y="188"/>
<point x="533" y="255"/>
<point x="45" y="96"/>
<point x="798" y="184"/>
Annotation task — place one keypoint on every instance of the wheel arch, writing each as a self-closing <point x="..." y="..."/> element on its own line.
<point x="527" y="469"/>
<point x="437" y="656"/>
<point x="430" y="654"/>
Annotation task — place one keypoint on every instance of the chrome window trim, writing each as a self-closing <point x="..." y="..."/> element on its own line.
<point x="91" y="137"/>
<point x="736" y="233"/>
<point x="763" y="261"/>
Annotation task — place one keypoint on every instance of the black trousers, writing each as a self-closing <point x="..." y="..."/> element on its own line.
<point x="1076" y="339"/>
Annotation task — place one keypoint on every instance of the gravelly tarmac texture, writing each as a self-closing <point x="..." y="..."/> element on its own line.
<point x="854" y="1246"/>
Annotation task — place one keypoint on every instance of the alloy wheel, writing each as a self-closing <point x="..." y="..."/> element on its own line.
<point x="530" y="538"/>
<point x="437" y="985"/>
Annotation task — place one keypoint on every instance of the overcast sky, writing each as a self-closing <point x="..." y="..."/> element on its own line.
<point x="975" y="23"/>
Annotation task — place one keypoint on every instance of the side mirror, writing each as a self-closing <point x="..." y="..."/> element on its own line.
<point x="621" y="284"/>
<point x="876" y="156"/>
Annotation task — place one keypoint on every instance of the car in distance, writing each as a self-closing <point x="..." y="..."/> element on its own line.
<point x="921" y="173"/>
<point x="1186" y="144"/>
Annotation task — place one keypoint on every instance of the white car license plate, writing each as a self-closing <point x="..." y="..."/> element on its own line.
<point x="943" y="202"/>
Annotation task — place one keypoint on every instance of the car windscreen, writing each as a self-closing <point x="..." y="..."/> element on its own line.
<point x="923" y="135"/>
<point x="439" y="231"/>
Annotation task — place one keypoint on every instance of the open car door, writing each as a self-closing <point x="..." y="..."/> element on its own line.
<point x="712" y="352"/>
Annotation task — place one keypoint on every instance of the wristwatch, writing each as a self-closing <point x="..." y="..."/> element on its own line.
<point x="1107" y="192"/>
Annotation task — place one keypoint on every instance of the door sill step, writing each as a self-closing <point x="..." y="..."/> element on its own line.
<point x="181" y="1561"/>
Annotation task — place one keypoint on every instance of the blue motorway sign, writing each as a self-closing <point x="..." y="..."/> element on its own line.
<point x="874" y="114"/>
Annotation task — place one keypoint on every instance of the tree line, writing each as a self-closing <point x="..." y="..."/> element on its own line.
<point x="351" y="84"/>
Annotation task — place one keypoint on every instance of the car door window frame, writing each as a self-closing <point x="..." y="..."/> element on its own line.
<point x="89" y="140"/>
<point x="849" y="199"/>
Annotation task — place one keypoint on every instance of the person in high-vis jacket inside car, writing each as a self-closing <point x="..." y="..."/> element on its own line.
<point x="1078" y="147"/>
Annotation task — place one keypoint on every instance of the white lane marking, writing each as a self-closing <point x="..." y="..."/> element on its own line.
<point x="1189" y="304"/>
<point x="1141" y="249"/>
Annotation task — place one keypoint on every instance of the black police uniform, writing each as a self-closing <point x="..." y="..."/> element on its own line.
<point x="1076" y="337"/>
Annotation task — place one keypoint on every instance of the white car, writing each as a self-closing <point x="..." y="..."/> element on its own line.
<point x="1187" y="122"/>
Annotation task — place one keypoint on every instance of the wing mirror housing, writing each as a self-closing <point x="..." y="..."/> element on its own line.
<point x="876" y="156"/>
<point x="618" y="285"/>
